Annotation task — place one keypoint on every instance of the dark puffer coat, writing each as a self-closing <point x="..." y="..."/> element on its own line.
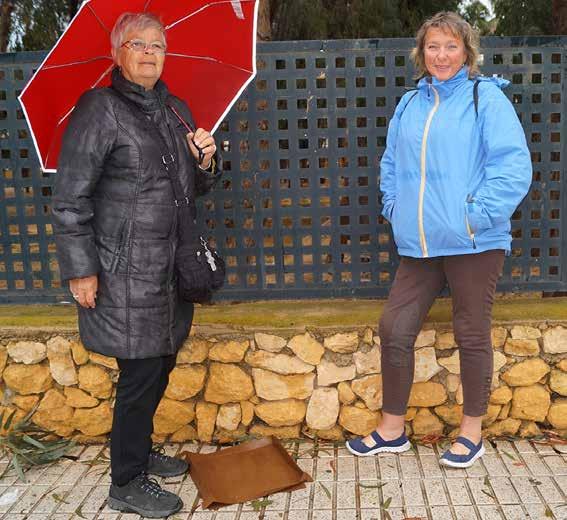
<point x="114" y="216"/>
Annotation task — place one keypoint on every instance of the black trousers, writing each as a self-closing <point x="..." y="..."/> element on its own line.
<point x="140" y="387"/>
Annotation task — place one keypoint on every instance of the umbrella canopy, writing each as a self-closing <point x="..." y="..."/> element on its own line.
<point x="210" y="60"/>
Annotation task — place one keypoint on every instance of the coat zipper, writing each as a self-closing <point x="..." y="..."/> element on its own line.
<point x="422" y="239"/>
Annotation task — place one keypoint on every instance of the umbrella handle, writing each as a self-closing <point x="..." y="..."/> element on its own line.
<point x="189" y="129"/>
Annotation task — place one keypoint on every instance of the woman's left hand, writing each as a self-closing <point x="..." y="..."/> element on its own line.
<point x="206" y="142"/>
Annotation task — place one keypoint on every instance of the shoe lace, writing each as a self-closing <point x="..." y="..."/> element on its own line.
<point x="159" y="453"/>
<point x="149" y="485"/>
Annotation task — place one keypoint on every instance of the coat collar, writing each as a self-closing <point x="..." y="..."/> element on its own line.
<point x="447" y="87"/>
<point x="147" y="100"/>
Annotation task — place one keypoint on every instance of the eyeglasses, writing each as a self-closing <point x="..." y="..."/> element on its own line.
<point x="142" y="46"/>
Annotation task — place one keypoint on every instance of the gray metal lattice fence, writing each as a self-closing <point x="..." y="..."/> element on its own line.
<point x="297" y="212"/>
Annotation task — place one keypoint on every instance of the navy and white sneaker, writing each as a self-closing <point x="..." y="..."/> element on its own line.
<point x="463" y="461"/>
<point x="357" y="447"/>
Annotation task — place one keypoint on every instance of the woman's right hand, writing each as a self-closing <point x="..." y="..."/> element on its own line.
<point x="84" y="290"/>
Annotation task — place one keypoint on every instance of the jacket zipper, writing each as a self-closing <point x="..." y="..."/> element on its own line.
<point x="422" y="240"/>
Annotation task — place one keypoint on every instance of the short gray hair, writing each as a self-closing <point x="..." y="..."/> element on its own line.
<point x="132" y="22"/>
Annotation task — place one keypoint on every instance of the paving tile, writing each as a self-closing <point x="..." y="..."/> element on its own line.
<point x="410" y="466"/>
<point x="366" y="468"/>
<point x="325" y="469"/>
<point x="413" y="492"/>
<point x="466" y="513"/>
<point x="435" y="492"/>
<point x="430" y="466"/>
<point x="323" y="495"/>
<point x="504" y="490"/>
<point x="346" y="514"/>
<point x="416" y="512"/>
<point x="490" y="513"/>
<point x="441" y="513"/>
<point x="524" y="446"/>
<point x="324" y="515"/>
<point x="52" y="500"/>
<point x="298" y="515"/>
<point x="224" y="515"/>
<point x="388" y="467"/>
<point x="9" y="495"/>
<point x="95" y="500"/>
<point x="346" y="495"/>
<point x="527" y="489"/>
<point x="278" y="502"/>
<point x="556" y="463"/>
<point x="535" y="464"/>
<point x="481" y="493"/>
<point x="538" y="512"/>
<point x="370" y="493"/>
<point x="300" y="499"/>
<point x="371" y="514"/>
<point x="73" y="499"/>
<point x="494" y="465"/>
<point x="513" y="512"/>
<point x="29" y="499"/>
<point x="345" y="468"/>
<point x="393" y="490"/>
<point x="458" y="491"/>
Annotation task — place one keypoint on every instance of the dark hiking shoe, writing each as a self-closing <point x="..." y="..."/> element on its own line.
<point x="145" y="497"/>
<point x="164" y="466"/>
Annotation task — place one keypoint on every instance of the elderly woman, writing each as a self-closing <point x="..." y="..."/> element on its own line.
<point x="116" y="224"/>
<point x="455" y="168"/>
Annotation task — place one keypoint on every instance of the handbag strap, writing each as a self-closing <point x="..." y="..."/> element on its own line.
<point x="168" y="158"/>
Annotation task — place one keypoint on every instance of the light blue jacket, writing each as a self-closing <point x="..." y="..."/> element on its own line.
<point x="451" y="180"/>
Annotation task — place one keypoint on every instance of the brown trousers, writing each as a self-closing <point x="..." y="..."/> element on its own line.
<point x="472" y="281"/>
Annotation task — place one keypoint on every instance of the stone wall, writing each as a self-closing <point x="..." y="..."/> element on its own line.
<point x="327" y="384"/>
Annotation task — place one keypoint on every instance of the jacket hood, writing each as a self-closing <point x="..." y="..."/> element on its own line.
<point x="447" y="87"/>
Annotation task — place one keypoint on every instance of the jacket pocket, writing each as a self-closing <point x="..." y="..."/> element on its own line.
<point x="119" y="247"/>
<point x="470" y="231"/>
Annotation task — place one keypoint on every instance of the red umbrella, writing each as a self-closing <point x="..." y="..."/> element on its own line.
<point x="210" y="60"/>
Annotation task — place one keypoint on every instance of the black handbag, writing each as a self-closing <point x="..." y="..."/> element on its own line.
<point x="199" y="268"/>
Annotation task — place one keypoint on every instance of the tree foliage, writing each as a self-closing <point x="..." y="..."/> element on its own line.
<point x="36" y="24"/>
<point x="524" y="17"/>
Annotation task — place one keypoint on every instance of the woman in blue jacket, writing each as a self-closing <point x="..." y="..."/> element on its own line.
<point x="455" y="168"/>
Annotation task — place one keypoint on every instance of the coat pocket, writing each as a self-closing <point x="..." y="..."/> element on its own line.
<point x="119" y="248"/>
<point x="470" y="231"/>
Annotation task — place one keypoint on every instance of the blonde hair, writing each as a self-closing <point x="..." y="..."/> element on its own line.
<point x="132" y="22"/>
<point x="450" y="22"/>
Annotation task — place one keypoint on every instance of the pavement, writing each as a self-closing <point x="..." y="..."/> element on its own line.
<point x="514" y="480"/>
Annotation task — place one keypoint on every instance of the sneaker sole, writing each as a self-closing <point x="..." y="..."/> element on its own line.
<point x="468" y="464"/>
<point x="383" y="449"/>
<point x="125" y="507"/>
<point x="170" y="474"/>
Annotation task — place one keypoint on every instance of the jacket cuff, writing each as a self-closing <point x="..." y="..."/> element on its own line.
<point x="477" y="216"/>
<point x="77" y="257"/>
<point x="388" y="210"/>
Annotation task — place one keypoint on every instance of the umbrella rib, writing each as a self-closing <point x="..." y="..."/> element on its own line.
<point x="148" y="2"/>
<point x="49" y="67"/>
<point x="202" y="9"/>
<point x="97" y="18"/>
<point x="208" y="58"/>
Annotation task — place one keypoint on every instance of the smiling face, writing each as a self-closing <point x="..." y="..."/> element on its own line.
<point x="444" y="53"/>
<point x="143" y="68"/>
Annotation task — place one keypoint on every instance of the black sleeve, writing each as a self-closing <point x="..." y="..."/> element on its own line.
<point x="205" y="180"/>
<point x="87" y="141"/>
